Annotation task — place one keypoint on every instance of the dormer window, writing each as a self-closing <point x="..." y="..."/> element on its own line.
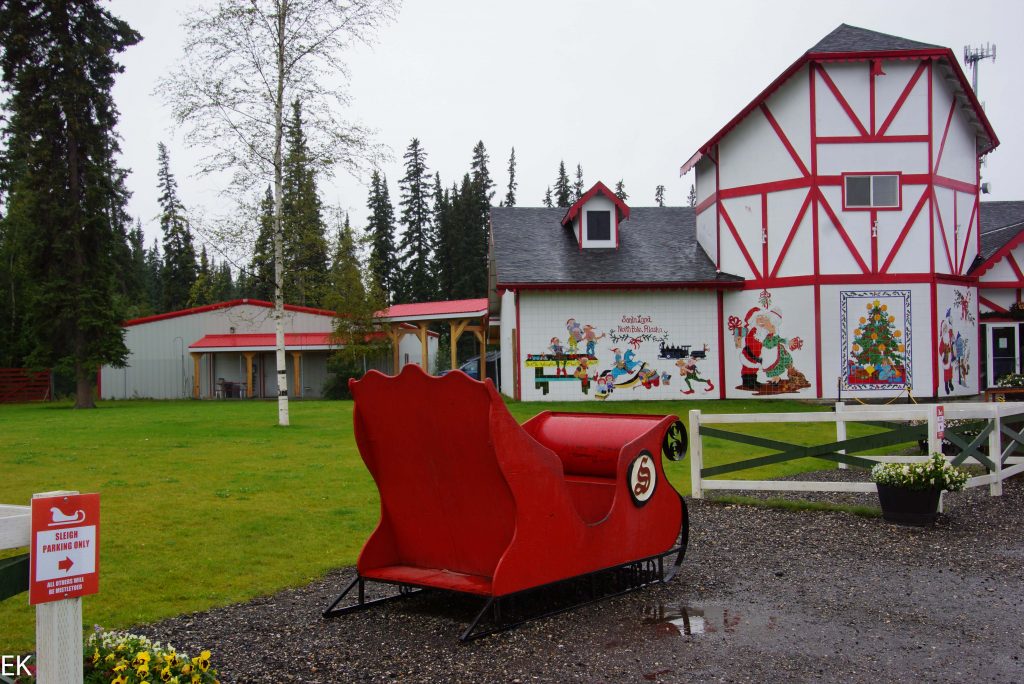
<point x="871" y="191"/>
<point x="599" y="225"/>
<point x="595" y="218"/>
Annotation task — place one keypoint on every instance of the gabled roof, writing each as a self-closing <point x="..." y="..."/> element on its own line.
<point x="601" y="188"/>
<point x="1002" y="229"/>
<point x="846" y="38"/>
<point x="532" y="250"/>
<point x="227" y="305"/>
<point x="851" y="43"/>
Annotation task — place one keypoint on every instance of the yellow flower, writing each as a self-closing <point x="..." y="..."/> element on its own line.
<point x="898" y="334"/>
<point x="204" y="661"/>
<point x="96" y="656"/>
<point x="856" y="347"/>
<point x="141" y="658"/>
<point x="142" y="670"/>
<point x="892" y="319"/>
<point x="874" y="336"/>
<point x="121" y="666"/>
<point x="197" y="678"/>
<point x="877" y="317"/>
<point x="863" y="320"/>
<point x="109" y="658"/>
<point x="119" y="679"/>
<point x="165" y="674"/>
<point x="186" y="668"/>
<point x="885" y="307"/>
<point x="857" y="332"/>
<point x="900" y="347"/>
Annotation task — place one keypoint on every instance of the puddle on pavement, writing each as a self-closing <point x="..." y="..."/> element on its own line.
<point x="675" y="619"/>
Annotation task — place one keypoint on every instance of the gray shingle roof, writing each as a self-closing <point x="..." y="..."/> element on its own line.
<point x="1000" y="222"/>
<point x="656" y="245"/>
<point x="846" y="38"/>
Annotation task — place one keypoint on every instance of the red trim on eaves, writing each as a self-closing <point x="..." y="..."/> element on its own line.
<point x="999" y="254"/>
<point x="599" y="187"/>
<point x="226" y="305"/>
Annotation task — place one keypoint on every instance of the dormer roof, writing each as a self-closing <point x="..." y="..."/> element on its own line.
<point x="599" y="187"/>
<point x="851" y="43"/>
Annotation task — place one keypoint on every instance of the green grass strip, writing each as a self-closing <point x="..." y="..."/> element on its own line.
<point x="795" y="505"/>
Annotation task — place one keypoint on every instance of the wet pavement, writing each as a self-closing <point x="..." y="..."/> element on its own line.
<point x="763" y="595"/>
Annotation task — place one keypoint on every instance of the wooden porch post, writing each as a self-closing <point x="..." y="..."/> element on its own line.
<point x="248" y="373"/>
<point x="297" y="373"/>
<point x="424" y="358"/>
<point x="482" y="339"/>
<point x="457" y="329"/>
<point x="195" y="373"/>
<point x="396" y="340"/>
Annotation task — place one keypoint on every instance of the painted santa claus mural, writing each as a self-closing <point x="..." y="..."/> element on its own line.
<point x="766" y="356"/>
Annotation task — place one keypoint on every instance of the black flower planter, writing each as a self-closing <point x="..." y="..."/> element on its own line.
<point x="909" y="506"/>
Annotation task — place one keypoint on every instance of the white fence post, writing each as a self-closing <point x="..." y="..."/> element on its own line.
<point x="696" y="455"/>
<point x="840" y="430"/>
<point x="995" y="453"/>
<point x="934" y="443"/>
<point x="58" y="635"/>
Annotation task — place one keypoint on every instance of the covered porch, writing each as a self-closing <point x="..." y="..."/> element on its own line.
<point x="244" y="366"/>
<point x="462" y="316"/>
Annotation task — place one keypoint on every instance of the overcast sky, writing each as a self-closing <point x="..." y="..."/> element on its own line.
<point x="629" y="90"/>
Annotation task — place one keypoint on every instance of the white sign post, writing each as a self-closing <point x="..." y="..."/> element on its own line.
<point x="64" y="567"/>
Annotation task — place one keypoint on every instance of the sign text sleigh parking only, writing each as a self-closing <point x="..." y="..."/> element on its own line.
<point x="65" y="558"/>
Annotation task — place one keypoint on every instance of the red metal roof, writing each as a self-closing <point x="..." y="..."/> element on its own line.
<point x="937" y="53"/>
<point x="599" y="187"/>
<point x="260" y="341"/>
<point x="433" y="310"/>
<point x="227" y="305"/>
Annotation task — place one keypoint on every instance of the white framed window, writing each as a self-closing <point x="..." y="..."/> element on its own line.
<point x="872" y="191"/>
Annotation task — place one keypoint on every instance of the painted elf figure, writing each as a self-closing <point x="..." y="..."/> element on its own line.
<point x="776" y="361"/>
<point x="688" y="370"/>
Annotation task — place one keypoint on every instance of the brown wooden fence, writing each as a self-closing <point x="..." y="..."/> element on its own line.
<point x="19" y="384"/>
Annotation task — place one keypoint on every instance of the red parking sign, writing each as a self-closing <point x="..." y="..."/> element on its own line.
<point x="65" y="551"/>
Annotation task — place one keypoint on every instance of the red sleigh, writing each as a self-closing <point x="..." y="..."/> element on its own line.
<point x="472" y="502"/>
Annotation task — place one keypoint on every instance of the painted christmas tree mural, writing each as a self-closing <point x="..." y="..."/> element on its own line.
<point x="878" y="355"/>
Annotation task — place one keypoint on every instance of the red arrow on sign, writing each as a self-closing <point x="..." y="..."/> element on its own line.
<point x="65" y="564"/>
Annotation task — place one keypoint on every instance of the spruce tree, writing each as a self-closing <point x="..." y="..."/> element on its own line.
<point x="154" y="276"/>
<point x="135" y="277"/>
<point x="476" y="230"/>
<point x="577" y="186"/>
<point x="417" y="244"/>
<point x="620" y="191"/>
<point x="306" y="252"/>
<point x="691" y="199"/>
<point x="563" y="190"/>
<point x="202" y="288"/>
<point x="510" y="194"/>
<point x="179" y="256"/>
<point x="446" y="264"/>
<point x="261" y="268"/>
<point x="659" y="195"/>
<point x="63" y="191"/>
<point x="547" y="198"/>
<point x="381" y="234"/>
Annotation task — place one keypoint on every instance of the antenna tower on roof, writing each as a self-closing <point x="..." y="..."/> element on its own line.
<point x="974" y="55"/>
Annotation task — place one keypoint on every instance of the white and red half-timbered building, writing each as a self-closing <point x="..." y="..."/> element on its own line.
<point x="834" y="250"/>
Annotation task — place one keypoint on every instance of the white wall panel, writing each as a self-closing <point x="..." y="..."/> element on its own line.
<point x="834" y="159"/>
<point x="889" y="87"/>
<point x="745" y="213"/>
<point x="835" y="256"/>
<point x="506" y="341"/>
<point x="851" y="78"/>
<point x="944" y="238"/>
<point x="959" y="158"/>
<point x="912" y="118"/>
<point x="752" y="153"/>
<point x="766" y="323"/>
<point x="783" y="209"/>
<point x="707" y="231"/>
<point x="790" y="105"/>
<point x="704" y="178"/>
<point x="636" y="323"/>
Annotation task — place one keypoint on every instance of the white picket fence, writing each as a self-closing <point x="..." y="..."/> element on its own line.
<point x="1005" y="464"/>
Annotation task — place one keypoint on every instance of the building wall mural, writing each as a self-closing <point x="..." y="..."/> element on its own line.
<point x="766" y="353"/>
<point x="875" y="334"/>
<point x="618" y="346"/>
<point x="957" y="340"/>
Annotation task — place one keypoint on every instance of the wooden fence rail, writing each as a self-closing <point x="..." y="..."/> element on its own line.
<point x="994" y="446"/>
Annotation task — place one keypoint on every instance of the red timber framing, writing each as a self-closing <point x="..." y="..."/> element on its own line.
<point x="873" y="262"/>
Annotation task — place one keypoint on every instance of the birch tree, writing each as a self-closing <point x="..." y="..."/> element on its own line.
<point x="244" y="61"/>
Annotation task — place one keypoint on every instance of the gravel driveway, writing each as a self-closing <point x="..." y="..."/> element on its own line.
<point x="763" y="595"/>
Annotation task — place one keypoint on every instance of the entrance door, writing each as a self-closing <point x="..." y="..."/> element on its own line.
<point x="1002" y="352"/>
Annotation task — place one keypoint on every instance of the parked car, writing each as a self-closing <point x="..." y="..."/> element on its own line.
<point x="472" y="367"/>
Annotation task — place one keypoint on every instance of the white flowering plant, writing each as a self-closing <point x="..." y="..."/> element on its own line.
<point x="935" y="473"/>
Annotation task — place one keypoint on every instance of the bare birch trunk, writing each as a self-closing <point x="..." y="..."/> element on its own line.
<point x="282" y="360"/>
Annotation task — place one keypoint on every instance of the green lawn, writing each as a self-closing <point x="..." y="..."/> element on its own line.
<point x="209" y="503"/>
